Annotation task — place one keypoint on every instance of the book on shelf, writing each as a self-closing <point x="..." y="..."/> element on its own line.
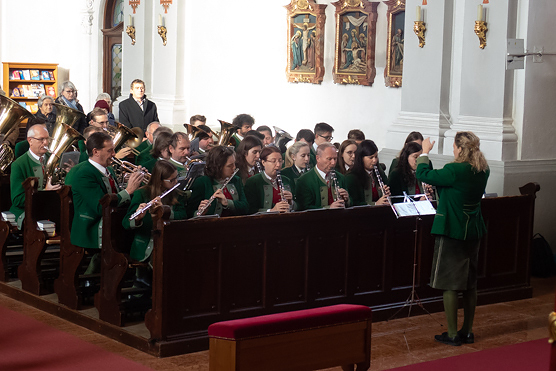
<point x="23" y="104"/>
<point x="37" y="90"/>
<point x="26" y="75"/>
<point x="35" y="74"/>
<point x="15" y="92"/>
<point x="28" y="91"/>
<point x="45" y="75"/>
<point x="51" y="74"/>
<point x="21" y="92"/>
<point x="51" y="91"/>
<point x="34" y="107"/>
<point x="15" y="75"/>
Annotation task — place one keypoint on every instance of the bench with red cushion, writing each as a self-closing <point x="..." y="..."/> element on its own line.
<point x="338" y="335"/>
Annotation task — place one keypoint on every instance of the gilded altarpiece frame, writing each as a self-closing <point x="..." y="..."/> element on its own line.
<point x="305" y="41"/>
<point x="395" y="43"/>
<point x="354" y="57"/>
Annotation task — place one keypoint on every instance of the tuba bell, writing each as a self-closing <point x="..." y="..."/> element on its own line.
<point x="225" y="137"/>
<point x="63" y="136"/>
<point x="124" y="136"/>
<point x="281" y="138"/>
<point x="66" y="115"/>
<point x="11" y="115"/>
<point x="191" y="131"/>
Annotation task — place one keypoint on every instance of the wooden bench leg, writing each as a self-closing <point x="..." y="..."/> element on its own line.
<point x="4" y="233"/>
<point x="29" y="272"/>
<point x="108" y="299"/>
<point x="66" y="286"/>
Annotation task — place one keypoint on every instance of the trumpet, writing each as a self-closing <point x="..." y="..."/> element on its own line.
<point x="202" y="210"/>
<point x="128" y="167"/>
<point x="151" y="203"/>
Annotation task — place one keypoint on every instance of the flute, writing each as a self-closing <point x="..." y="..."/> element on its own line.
<point x="151" y="203"/>
<point x="202" y="210"/>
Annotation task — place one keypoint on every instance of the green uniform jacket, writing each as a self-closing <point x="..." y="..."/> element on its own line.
<point x="312" y="156"/>
<point x="22" y="168"/>
<point x="460" y="189"/>
<point x="144" y="145"/>
<point x="88" y="186"/>
<point x="358" y="194"/>
<point x="149" y="165"/>
<point x="204" y="187"/>
<point x="144" y="228"/>
<point x="292" y="174"/>
<point x="83" y="151"/>
<point x="144" y="156"/>
<point x="21" y="148"/>
<point x="312" y="191"/>
<point x="182" y="170"/>
<point x="259" y="191"/>
<point x="398" y="186"/>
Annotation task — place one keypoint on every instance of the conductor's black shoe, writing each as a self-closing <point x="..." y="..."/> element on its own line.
<point x="444" y="338"/>
<point x="466" y="338"/>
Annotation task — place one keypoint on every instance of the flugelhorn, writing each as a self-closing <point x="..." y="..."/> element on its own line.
<point x="203" y="209"/>
<point x="128" y="167"/>
<point x="151" y="203"/>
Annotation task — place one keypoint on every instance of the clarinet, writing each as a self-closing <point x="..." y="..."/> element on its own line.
<point x="379" y="179"/>
<point x="334" y="180"/>
<point x="151" y="203"/>
<point x="280" y="185"/>
<point x="202" y="210"/>
<point x="259" y="167"/>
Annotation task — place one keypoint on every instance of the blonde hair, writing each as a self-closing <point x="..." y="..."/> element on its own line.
<point x="470" y="151"/>
<point x="292" y="151"/>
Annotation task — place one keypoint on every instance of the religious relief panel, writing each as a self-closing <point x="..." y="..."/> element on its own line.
<point x="305" y="41"/>
<point x="354" y="59"/>
<point x="395" y="42"/>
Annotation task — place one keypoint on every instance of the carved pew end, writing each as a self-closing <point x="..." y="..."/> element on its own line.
<point x="338" y="335"/>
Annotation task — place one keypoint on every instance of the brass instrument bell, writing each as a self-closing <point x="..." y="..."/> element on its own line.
<point x="11" y="115"/>
<point x="281" y="138"/>
<point x="67" y="115"/>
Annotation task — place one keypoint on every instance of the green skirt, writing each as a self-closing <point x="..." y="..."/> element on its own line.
<point x="454" y="264"/>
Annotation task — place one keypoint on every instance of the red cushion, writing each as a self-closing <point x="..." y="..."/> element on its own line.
<point x="289" y="321"/>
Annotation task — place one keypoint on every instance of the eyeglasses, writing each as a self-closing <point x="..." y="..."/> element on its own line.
<point x="70" y="91"/>
<point x="327" y="138"/>
<point x="273" y="162"/>
<point x="172" y="180"/>
<point x="48" y="140"/>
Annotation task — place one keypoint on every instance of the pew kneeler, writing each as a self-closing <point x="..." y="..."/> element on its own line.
<point x="311" y="339"/>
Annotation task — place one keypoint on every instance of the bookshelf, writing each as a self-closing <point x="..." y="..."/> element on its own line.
<point x="24" y="85"/>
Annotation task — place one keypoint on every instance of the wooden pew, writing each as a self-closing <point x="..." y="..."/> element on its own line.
<point x="5" y="228"/>
<point x="117" y="268"/>
<point x="39" y="205"/>
<point x="212" y="270"/>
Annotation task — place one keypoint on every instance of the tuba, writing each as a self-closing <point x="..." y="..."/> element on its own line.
<point x="11" y="115"/>
<point x="225" y="137"/>
<point x="124" y="136"/>
<point x="63" y="136"/>
<point x="281" y="138"/>
<point x="66" y="115"/>
<point x="191" y="131"/>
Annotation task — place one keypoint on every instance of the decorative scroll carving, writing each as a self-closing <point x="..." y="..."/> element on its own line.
<point x="305" y="41"/>
<point x="395" y="43"/>
<point x="354" y="57"/>
<point x="134" y="4"/>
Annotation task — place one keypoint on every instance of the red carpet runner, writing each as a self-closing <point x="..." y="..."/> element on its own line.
<point x="27" y="344"/>
<point x="530" y="356"/>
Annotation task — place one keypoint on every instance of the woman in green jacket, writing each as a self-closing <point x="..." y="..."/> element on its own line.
<point x="362" y="183"/>
<point x="402" y="178"/>
<point x="458" y="226"/>
<point x="263" y="189"/>
<point x="346" y="156"/>
<point x="297" y="160"/>
<point x="229" y="200"/>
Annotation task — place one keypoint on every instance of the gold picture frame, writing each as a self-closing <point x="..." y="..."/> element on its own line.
<point x="305" y="61"/>
<point x="395" y="44"/>
<point x="354" y="57"/>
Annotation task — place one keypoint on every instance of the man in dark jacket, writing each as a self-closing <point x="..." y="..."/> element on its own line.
<point x="137" y="110"/>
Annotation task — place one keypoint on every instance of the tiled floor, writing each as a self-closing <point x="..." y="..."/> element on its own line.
<point x="394" y="343"/>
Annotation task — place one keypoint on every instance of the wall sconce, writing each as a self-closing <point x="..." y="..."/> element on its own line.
<point x="162" y="30"/>
<point x="481" y="27"/>
<point x="130" y="30"/>
<point x="419" y="28"/>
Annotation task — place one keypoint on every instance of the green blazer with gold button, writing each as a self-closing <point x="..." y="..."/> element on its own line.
<point x="259" y="192"/>
<point x="312" y="192"/>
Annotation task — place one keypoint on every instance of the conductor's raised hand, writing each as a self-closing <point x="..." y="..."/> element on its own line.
<point x="427" y="145"/>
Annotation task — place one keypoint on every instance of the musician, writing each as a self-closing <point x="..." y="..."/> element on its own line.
<point x="268" y="138"/>
<point x="147" y="143"/>
<point x="82" y="144"/>
<point x="68" y="97"/>
<point x="458" y="226"/>
<point x="160" y="150"/>
<point x="323" y="134"/>
<point x="163" y="178"/>
<point x="263" y="191"/>
<point x="248" y="155"/>
<point x="204" y="143"/>
<point x="46" y="113"/>
<point x="243" y="123"/>
<point x="198" y="121"/>
<point x="31" y="164"/>
<point x="90" y="181"/>
<point x="346" y="156"/>
<point x="307" y="136"/>
<point x="297" y="160"/>
<point x="362" y="183"/>
<point x="146" y="154"/>
<point x="357" y="135"/>
<point x="414" y="136"/>
<point x="402" y="178"/>
<point x="137" y="110"/>
<point x="179" y="152"/>
<point x="228" y="201"/>
<point x="315" y="189"/>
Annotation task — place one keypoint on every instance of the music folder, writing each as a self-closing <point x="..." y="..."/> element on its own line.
<point x="412" y="207"/>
